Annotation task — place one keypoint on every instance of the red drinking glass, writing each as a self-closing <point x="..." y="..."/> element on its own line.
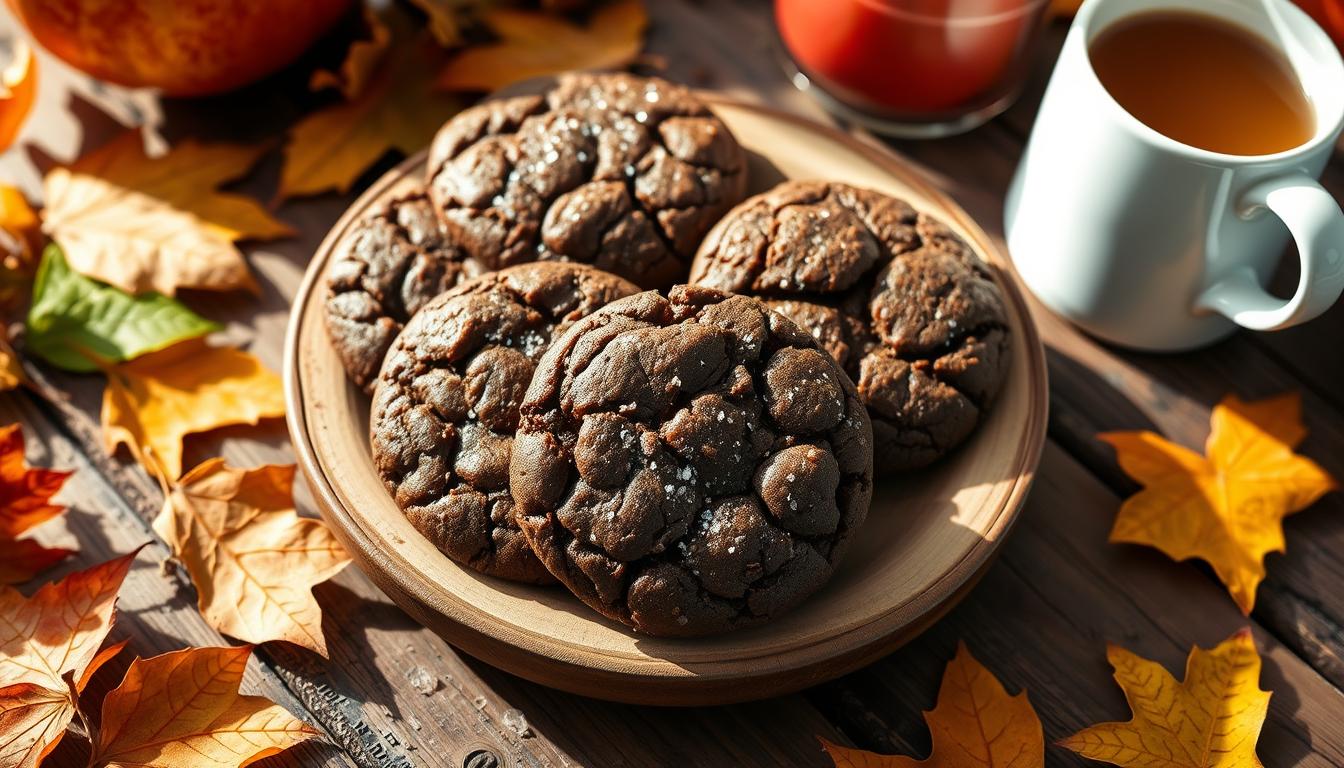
<point x="915" y="68"/>
<point x="1330" y="15"/>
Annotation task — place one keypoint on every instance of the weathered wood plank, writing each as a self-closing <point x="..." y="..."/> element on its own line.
<point x="157" y="609"/>
<point x="365" y="696"/>
<point x="1041" y="618"/>
<point x="1096" y="388"/>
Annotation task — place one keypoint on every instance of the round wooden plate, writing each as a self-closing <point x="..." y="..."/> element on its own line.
<point x="928" y="536"/>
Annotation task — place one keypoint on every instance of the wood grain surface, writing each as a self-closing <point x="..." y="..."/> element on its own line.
<point x="1039" y="618"/>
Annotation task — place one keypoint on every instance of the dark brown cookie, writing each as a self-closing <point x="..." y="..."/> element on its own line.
<point x="390" y="264"/>
<point x="691" y="464"/>
<point x="622" y="172"/>
<point x="446" y="405"/>
<point x="897" y="298"/>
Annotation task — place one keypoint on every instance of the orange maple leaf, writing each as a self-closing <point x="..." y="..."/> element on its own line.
<point x="253" y="560"/>
<point x="1226" y="507"/>
<point x="1211" y="719"/>
<point x="183" y="710"/>
<point x="22" y="559"/>
<point x="25" y="493"/>
<point x="48" y="652"/>
<point x="535" y="44"/>
<point x="25" y="501"/>
<point x="976" y="724"/>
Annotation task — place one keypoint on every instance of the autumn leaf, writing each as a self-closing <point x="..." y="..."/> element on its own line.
<point x="154" y="401"/>
<point x="361" y="60"/>
<point x="1226" y="507"/>
<point x="46" y="640"/>
<point x="537" y="44"/>
<point x="18" y="90"/>
<point x="20" y="245"/>
<point x="183" y="710"/>
<point x="157" y="224"/>
<point x="396" y="109"/>
<point x="1211" y="719"/>
<point x="253" y="560"/>
<point x="11" y="368"/>
<point x="447" y="17"/>
<point x="76" y="323"/>
<point x="25" y="501"/>
<point x="975" y="724"/>
<point x="22" y="559"/>
<point x="25" y="492"/>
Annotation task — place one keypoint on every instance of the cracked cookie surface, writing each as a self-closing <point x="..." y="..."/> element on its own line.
<point x="898" y="299"/>
<point x="690" y="464"/>
<point x="621" y="172"/>
<point x="446" y="406"/>
<point x="390" y="264"/>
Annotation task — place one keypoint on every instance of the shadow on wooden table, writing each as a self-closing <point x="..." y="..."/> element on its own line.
<point x="1281" y="747"/>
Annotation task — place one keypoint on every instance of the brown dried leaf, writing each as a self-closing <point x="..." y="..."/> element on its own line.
<point x="183" y="710"/>
<point x="396" y="109"/>
<point x="253" y="560"/>
<point x="535" y="44"/>
<point x="45" y="640"/>
<point x="157" y="224"/>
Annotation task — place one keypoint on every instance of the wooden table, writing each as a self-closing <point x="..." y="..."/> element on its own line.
<point x="1039" y="619"/>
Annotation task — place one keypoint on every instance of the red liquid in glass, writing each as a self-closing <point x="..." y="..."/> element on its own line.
<point x="907" y="56"/>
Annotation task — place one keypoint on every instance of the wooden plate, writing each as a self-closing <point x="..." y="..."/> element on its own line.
<point x="927" y="539"/>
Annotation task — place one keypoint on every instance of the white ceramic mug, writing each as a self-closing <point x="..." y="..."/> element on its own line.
<point x="1150" y="243"/>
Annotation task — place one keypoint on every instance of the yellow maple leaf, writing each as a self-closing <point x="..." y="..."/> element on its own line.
<point x="395" y="109"/>
<point x="253" y="560"/>
<point x="48" y="645"/>
<point x="1226" y="507"/>
<point x="11" y="368"/>
<point x="18" y="90"/>
<point x="20" y="245"/>
<point x="21" y="229"/>
<point x="976" y="724"/>
<point x="1211" y="719"/>
<point x="537" y="44"/>
<point x="183" y="710"/>
<point x="157" y="224"/>
<point x="154" y="401"/>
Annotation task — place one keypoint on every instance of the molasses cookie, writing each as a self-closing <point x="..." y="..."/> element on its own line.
<point x="446" y="405"/>
<point x="897" y="298"/>
<point x="690" y="464"/>
<point x="622" y="172"/>
<point x="389" y="265"/>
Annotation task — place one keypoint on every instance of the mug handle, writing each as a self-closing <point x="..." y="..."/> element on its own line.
<point x="1317" y="225"/>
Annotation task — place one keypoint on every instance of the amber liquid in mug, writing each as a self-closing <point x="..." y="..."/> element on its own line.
<point x="1203" y="82"/>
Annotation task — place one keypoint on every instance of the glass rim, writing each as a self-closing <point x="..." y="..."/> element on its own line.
<point x="893" y="8"/>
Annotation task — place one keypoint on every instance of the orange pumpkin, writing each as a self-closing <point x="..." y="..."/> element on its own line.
<point x="184" y="47"/>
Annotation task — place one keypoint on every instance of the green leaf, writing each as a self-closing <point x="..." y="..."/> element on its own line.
<point x="75" y="321"/>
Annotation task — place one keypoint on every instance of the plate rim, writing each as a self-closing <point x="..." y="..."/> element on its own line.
<point x="690" y="682"/>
